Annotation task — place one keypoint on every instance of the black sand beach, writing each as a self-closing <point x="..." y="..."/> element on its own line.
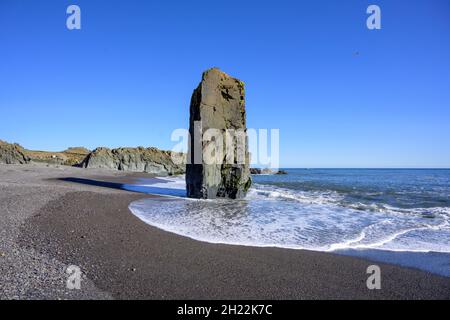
<point x="57" y="223"/>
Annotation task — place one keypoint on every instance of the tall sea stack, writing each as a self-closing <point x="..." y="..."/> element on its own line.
<point x="218" y="106"/>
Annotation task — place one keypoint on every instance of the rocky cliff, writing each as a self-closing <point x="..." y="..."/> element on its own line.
<point x="12" y="153"/>
<point x="150" y="160"/>
<point x="218" y="103"/>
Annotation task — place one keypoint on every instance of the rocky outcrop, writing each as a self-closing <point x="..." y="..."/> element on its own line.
<point x="12" y="153"/>
<point x="150" y="160"/>
<point x="16" y="154"/>
<point x="266" y="171"/>
<point x="217" y="103"/>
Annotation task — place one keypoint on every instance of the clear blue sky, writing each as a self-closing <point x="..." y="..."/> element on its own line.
<point x="125" y="78"/>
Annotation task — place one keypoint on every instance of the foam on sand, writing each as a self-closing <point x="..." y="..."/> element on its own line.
<point x="277" y="217"/>
<point x="318" y="220"/>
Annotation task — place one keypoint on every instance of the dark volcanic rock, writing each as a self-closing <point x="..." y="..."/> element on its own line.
<point x="12" y="154"/>
<point x="217" y="103"/>
<point x="266" y="171"/>
<point x="150" y="160"/>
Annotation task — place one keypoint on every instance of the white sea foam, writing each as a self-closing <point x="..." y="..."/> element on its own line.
<point x="277" y="217"/>
<point x="177" y="182"/>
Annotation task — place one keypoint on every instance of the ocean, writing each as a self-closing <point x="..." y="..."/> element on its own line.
<point x="400" y="216"/>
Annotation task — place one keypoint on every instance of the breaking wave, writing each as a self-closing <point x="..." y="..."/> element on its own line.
<point x="272" y="216"/>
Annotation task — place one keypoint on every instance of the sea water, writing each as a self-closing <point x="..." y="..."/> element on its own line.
<point x="393" y="215"/>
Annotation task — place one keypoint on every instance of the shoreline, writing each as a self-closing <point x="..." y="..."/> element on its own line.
<point x="124" y="258"/>
<point x="402" y="258"/>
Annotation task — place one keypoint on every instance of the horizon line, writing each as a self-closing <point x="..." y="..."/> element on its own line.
<point x="367" y="168"/>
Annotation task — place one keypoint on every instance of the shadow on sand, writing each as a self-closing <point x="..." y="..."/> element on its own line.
<point x="147" y="189"/>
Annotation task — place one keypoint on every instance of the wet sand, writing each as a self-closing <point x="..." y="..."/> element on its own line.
<point x="64" y="222"/>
